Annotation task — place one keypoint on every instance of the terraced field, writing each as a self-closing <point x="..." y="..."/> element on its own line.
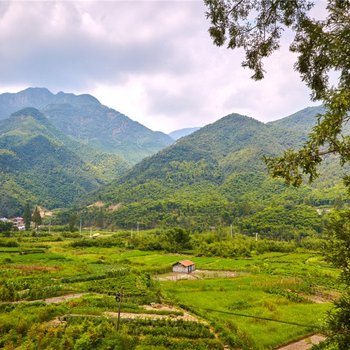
<point x="57" y="294"/>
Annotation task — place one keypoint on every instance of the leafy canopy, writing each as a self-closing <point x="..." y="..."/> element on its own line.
<point x="323" y="49"/>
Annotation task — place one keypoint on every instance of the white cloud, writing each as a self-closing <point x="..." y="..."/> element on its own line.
<point x="151" y="60"/>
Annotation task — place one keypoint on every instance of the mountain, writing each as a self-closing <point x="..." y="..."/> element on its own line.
<point x="235" y="142"/>
<point x="294" y="129"/>
<point x="87" y="120"/>
<point x="216" y="176"/>
<point x="302" y="121"/>
<point x="31" y="97"/>
<point x="40" y="164"/>
<point x="212" y="177"/>
<point x="177" y="134"/>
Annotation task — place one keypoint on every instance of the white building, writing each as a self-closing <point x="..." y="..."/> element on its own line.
<point x="185" y="266"/>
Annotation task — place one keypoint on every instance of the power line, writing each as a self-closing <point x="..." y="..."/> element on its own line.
<point x="261" y="318"/>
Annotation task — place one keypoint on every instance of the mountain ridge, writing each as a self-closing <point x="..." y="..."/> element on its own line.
<point x="72" y="164"/>
<point x="177" y="134"/>
<point x="205" y="178"/>
<point x="86" y="119"/>
<point x="37" y="166"/>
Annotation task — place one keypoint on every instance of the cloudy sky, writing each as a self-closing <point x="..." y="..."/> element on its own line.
<point x="151" y="60"/>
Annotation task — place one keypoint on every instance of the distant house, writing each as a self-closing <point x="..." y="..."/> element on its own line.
<point x="185" y="266"/>
<point x="18" y="222"/>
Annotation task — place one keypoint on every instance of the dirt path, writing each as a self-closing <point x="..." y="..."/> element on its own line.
<point x="54" y="300"/>
<point x="197" y="274"/>
<point x="63" y="298"/>
<point x="304" y="344"/>
<point x="134" y="316"/>
<point x="323" y="297"/>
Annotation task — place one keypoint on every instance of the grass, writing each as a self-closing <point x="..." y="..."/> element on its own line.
<point x="258" y="309"/>
<point x="241" y="304"/>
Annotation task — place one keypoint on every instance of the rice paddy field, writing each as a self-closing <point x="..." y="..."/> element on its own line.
<point x="57" y="293"/>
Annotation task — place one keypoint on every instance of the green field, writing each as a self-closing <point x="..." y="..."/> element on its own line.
<point x="275" y="297"/>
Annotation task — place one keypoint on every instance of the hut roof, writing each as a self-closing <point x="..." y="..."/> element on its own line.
<point x="185" y="263"/>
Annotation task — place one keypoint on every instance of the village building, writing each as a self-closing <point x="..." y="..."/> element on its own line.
<point x="18" y="222"/>
<point x="185" y="266"/>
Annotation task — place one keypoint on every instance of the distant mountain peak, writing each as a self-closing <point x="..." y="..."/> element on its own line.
<point x="36" y="90"/>
<point x="235" y="117"/>
<point x="82" y="99"/>
<point x="30" y="111"/>
<point x="177" y="134"/>
<point x="84" y="118"/>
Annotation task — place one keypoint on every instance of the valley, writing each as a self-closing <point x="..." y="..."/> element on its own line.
<point x="119" y="204"/>
<point x="267" y="302"/>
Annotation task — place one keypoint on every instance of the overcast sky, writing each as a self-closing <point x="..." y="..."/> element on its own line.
<point x="151" y="60"/>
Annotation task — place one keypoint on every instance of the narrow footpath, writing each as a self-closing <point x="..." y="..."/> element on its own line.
<point x="304" y="344"/>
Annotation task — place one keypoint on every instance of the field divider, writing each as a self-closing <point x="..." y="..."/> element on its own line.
<point x="260" y="318"/>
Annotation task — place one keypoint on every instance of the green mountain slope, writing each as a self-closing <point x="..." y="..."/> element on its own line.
<point x="214" y="177"/>
<point x="234" y="143"/>
<point x="301" y="121"/>
<point x="40" y="164"/>
<point x="86" y="119"/>
<point x="293" y="130"/>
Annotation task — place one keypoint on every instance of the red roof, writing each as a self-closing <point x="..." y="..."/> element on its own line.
<point x="185" y="263"/>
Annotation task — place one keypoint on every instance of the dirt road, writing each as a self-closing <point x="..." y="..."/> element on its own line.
<point x="304" y="344"/>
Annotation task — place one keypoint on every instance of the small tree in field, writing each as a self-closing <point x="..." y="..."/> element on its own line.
<point x="27" y="216"/>
<point x="72" y="221"/>
<point x="36" y="218"/>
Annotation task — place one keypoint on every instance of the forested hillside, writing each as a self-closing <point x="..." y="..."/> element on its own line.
<point x="86" y="119"/>
<point x="55" y="148"/>
<point x="216" y="176"/>
<point x="40" y="164"/>
<point x="213" y="177"/>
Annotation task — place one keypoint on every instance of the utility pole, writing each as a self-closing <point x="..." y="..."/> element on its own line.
<point x="90" y="221"/>
<point x="118" y="298"/>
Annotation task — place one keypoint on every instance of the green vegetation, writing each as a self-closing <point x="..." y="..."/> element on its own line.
<point x="85" y="119"/>
<point x="41" y="168"/>
<point x="73" y="145"/>
<point x="216" y="177"/>
<point x="322" y="46"/>
<point x="251" y="310"/>
<point x="205" y="198"/>
<point x="253" y="294"/>
<point x="5" y="226"/>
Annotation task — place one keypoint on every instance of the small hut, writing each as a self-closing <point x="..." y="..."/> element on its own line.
<point x="185" y="266"/>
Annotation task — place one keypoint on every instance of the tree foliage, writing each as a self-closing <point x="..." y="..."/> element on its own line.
<point x="5" y="226"/>
<point x="338" y="253"/>
<point x="27" y="216"/>
<point x="323" y="49"/>
<point x="72" y="222"/>
<point x="231" y="23"/>
<point x="36" y="217"/>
